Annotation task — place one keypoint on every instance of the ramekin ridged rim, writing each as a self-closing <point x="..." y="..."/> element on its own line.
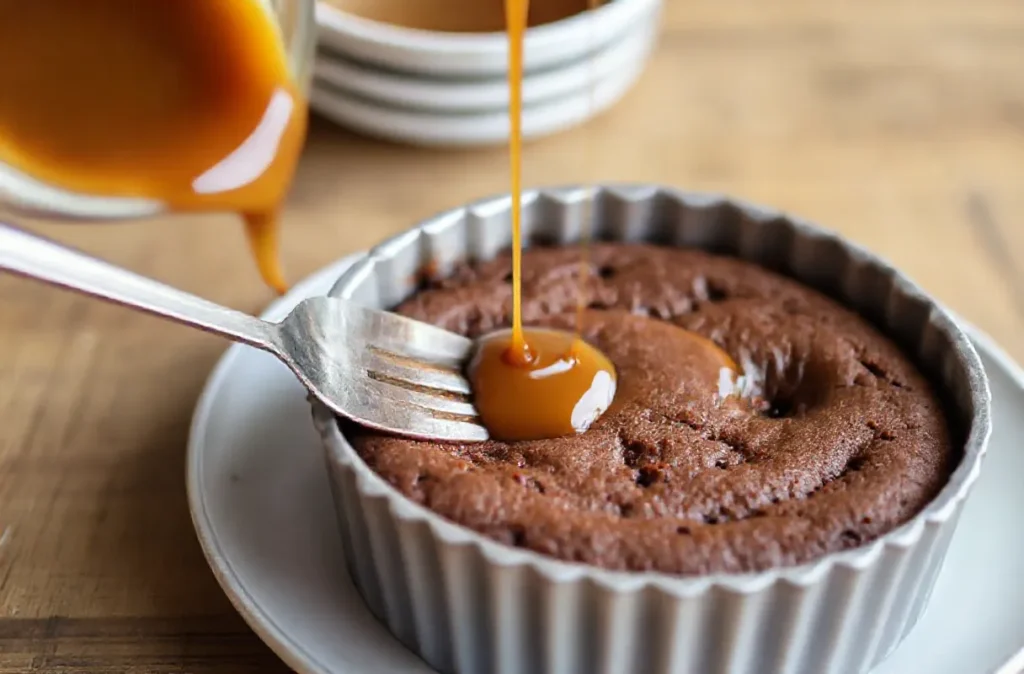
<point x="942" y="508"/>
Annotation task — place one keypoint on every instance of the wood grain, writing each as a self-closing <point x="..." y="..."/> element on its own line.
<point x="898" y="122"/>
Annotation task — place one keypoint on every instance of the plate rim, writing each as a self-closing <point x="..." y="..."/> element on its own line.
<point x="259" y="620"/>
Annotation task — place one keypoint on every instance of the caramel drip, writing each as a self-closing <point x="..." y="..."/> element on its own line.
<point x="533" y="384"/>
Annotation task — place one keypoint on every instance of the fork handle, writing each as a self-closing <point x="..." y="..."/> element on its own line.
<point x="36" y="257"/>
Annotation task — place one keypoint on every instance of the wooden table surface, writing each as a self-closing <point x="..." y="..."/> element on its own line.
<point x="897" y="122"/>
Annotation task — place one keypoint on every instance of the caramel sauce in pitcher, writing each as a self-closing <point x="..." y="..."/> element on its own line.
<point x="186" y="102"/>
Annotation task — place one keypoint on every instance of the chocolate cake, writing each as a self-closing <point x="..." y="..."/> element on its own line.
<point x="837" y="440"/>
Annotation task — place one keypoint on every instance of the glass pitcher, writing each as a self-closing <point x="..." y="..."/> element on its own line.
<point x="22" y="193"/>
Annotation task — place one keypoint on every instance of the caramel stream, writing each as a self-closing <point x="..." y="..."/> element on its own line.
<point x="531" y="384"/>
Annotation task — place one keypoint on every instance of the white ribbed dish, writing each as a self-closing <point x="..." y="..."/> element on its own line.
<point x="475" y="55"/>
<point x="482" y="128"/>
<point x="439" y="105"/>
<point x="412" y="93"/>
<point x="470" y="605"/>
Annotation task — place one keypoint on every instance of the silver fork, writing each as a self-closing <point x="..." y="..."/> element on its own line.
<point x="376" y="368"/>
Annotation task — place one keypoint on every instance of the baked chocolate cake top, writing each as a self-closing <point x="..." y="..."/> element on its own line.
<point x="842" y="440"/>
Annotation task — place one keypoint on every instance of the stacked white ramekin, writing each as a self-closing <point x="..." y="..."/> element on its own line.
<point x="433" y="88"/>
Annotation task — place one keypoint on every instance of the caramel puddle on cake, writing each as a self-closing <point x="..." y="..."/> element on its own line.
<point x="565" y="387"/>
<point x="187" y="102"/>
<point x="533" y="384"/>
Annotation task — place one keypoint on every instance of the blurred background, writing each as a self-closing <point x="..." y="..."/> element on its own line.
<point x="899" y="123"/>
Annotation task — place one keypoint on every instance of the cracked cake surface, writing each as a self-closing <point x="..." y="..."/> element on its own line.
<point x="840" y="440"/>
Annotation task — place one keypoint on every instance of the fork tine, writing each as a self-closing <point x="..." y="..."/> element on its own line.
<point x="424" y="415"/>
<point x="394" y="366"/>
<point x="443" y="429"/>
<point x="423" y="425"/>
<point x="416" y="340"/>
<point x="396" y="390"/>
<point x="383" y="370"/>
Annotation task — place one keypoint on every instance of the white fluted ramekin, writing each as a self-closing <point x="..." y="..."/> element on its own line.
<point x="470" y="605"/>
<point x="476" y="55"/>
<point x="442" y="89"/>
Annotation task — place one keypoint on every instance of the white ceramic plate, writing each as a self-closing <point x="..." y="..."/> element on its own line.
<point x="389" y="88"/>
<point x="450" y="129"/>
<point x="261" y="505"/>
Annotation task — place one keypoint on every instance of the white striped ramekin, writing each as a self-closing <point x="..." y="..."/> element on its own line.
<point x="470" y="605"/>
<point x="475" y="56"/>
